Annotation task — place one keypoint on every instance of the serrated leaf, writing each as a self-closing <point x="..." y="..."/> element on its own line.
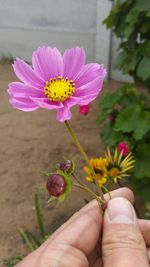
<point x="110" y="20"/>
<point x="132" y="16"/>
<point x="141" y="189"/>
<point x="143" y="5"/>
<point x="109" y="137"/>
<point x="128" y="30"/>
<point x="143" y="70"/>
<point x="142" y="166"/>
<point x="121" y="57"/>
<point x="133" y="120"/>
<point x="110" y="100"/>
<point x="102" y="116"/>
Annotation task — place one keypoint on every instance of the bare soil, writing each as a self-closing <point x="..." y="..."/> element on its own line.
<point x="30" y="144"/>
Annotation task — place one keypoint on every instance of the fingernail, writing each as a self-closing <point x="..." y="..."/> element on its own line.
<point x="120" y="210"/>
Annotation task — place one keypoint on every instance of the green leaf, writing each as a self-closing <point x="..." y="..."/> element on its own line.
<point x="143" y="70"/>
<point x="144" y="49"/>
<point x="102" y="116"/>
<point x="142" y="166"/>
<point x="120" y="1"/>
<point x="126" y="60"/>
<point x="132" y="16"/>
<point x="143" y="5"/>
<point x="133" y="120"/>
<point x="110" y="100"/>
<point x="110" y="20"/>
<point x="127" y="31"/>
<point x="109" y="137"/>
<point x="141" y="188"/>
<point x="121" y="57"/>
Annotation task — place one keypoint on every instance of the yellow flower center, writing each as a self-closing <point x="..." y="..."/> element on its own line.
<point x="59" y="89"/>
<point x="114" y="172"/>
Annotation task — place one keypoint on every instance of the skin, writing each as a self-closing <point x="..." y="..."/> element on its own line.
<point x="88" y="239"/>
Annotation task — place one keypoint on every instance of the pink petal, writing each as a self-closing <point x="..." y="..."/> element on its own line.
<point x="23" y="105"/>
<point x="72" y="101"/>
<point x="17" y="89"/>
<point x="74" y="60"/>
<point x="26" y="74"/>
<point x="63" y="114"/>
<point x="46" y="103"/>
<point x="47" y="62"/>
<point x="88" y="73"/>
<point x="86" y="100"/>
<point x="91" y="88"/>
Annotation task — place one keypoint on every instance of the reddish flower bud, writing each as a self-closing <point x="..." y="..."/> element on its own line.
<point x="56" y="185"/>
<point x="112" y="115"/>
<point x="66" y="166"/>
<point x="84" y="110"/>
<point x="124" y="148"/>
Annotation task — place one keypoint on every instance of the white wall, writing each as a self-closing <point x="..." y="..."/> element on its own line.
<point x="27" y="24"/>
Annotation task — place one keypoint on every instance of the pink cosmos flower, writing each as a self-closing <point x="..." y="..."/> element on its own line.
<point x="55" y="81"/>
<point x="124" y="148"/>
<point x="84" y="110"/>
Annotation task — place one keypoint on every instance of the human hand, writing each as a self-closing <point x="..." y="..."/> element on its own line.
<point x="89" y="240"/>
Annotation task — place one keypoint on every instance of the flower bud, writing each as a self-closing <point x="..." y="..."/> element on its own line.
<point x="112" y="115"/>
<point x="84" y="110"/>
<point x="56" y="185"/>
<point x="124" y="148"/>
<point x="66" y="166"/>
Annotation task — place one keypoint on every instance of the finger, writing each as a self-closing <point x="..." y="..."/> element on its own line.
<point x="91" y="211"/>
<point x="120" y="192"/>
<point x="148" y="253"/>
<point x="123" y="244"/>
<point x="81" y="232"/>
<point x="98" y="261"/>
<point x="145" y="230"/>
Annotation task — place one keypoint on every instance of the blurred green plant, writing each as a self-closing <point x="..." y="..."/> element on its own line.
<point x="29" y="239"/>
<point x="126" y="117"/>
<point x="12" y="261"/>
<point x="6" y="58"/>
<point x="130" y="20"/>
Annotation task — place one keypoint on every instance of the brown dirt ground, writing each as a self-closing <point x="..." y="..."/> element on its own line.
<point x="31" y="143"/>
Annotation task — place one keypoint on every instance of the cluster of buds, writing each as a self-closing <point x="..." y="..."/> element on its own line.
<point x="59" y="183"/>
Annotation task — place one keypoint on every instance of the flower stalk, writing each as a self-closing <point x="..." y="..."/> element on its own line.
<point x="39" y="216"/>
<point x="83" y="153"/>
<point x="81" y="185"/>
<point x="26" y="239"/>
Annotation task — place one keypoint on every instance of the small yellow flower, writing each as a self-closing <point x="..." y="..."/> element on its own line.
<point x="116" y="166"/>
<point x="98" y="165"/>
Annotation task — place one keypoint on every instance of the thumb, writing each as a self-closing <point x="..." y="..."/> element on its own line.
<point x="122" y="244"/>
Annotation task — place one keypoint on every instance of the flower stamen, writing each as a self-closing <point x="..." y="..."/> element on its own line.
<point x="59" y="89"/>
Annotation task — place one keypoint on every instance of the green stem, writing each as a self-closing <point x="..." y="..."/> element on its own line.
<point x="84" y="186"/>
<point x="26" y="239"/>
<point x="86" y="159"/>
<point x="107" y="191"/>
<point x="39" y="216"/>
<point x="90" y="192"/>
<point x="78" y="180"/>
